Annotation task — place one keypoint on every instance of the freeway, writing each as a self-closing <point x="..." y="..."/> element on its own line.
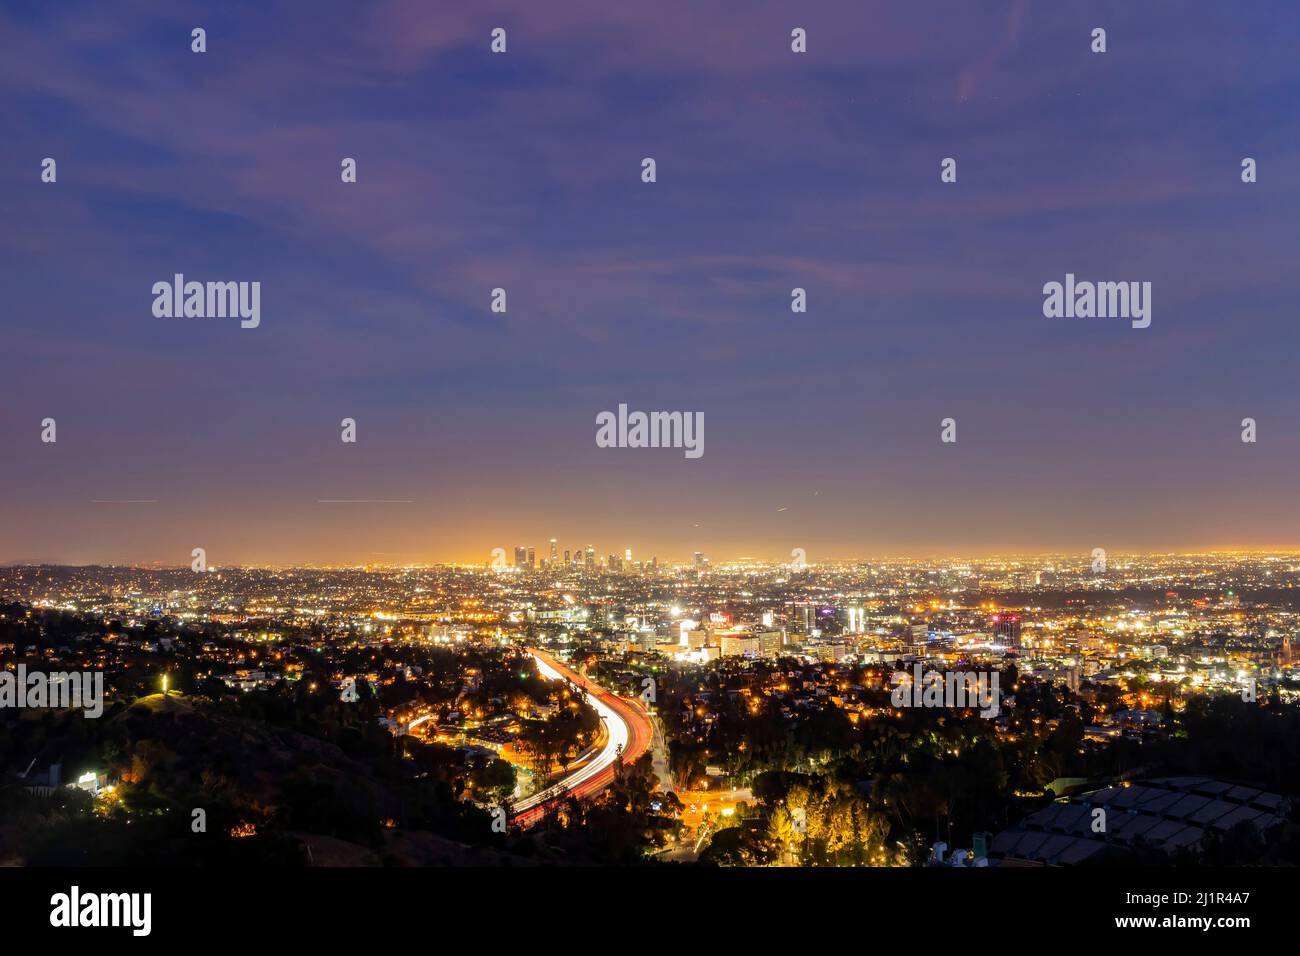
<point x="628" y="734"/>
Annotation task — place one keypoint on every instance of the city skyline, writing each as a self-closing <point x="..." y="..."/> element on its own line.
<point x="1061" y="559"/>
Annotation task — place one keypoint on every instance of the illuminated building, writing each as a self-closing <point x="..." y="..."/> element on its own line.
<point x="1006" y="629"/>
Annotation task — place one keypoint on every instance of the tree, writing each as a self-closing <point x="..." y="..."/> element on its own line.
<point x="780" y="833"/>
<point x="494" y="779"/>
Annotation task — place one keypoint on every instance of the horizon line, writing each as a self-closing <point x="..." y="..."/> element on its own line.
<point x="742" y="560"/>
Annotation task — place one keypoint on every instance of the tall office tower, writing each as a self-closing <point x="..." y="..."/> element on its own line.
<point x="532" y="557"/>
<point x="591" y="557"/>
<point x="521" y="556"/>
<point x="1006" y="629"/>
<point x="555" y="554"/>
<point x="654" y="563"/>
<point x="566" y="557"/>
<point x="627" y="555"/>
<point x="699" y="559"/>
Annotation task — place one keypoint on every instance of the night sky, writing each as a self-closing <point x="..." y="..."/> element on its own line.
<point x="522" y="170"/>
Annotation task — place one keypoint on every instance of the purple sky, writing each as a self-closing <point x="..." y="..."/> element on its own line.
<point x="522" y="170"/>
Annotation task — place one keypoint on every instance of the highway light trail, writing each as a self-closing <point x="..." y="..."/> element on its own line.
<point x="628" y="733"/>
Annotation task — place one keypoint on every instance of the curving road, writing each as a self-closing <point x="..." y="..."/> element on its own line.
<point x="627" y="727"/>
